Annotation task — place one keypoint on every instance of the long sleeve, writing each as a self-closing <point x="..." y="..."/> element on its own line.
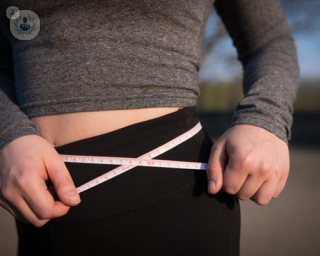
<point x="267" y="52"/>
<point x="13" y="122"/>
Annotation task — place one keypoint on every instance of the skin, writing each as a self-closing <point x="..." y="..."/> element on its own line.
<point x="249" y="162"/>
<point x="246" y="160"/>
<point x="28" y="161"/>
<point x="24" y="170"/>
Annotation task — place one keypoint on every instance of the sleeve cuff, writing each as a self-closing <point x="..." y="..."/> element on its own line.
<point x="269" y="125"/>
<point x="17" y="131"/>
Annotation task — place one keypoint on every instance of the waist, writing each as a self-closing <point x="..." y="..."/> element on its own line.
<point x="65" y="128"/>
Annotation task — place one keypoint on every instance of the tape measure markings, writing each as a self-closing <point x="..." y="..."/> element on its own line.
<point x="147" y="156"/>
<point x="108" y="160"/>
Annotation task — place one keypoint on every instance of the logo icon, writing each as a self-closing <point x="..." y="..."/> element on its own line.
<point x="12" y="12"/>
<point x="25" y="25"/>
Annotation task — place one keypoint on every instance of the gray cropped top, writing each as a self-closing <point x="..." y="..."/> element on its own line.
<point x="124" y="54"/>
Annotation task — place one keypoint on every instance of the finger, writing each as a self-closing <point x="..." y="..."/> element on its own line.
<point x="250" y="187"/>
<point x="282" y="181"/>
<point x="23" y="213"/>
<point x="61" y="180"/>
<point x="265" y="192"/>
<point x="280" y="187"/>
<point x="41" y="202"/>
<point x="26" y="215"/>
<point x="235" y="174"/>
<point x="216" y="165"/>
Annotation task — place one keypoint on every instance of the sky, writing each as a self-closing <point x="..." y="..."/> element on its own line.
<point x="308" y="57"/>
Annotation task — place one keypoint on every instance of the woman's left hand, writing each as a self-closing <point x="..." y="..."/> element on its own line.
<point x="250" y="162"/>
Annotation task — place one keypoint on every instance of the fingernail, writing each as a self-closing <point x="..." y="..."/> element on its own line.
<point x="212" y="186"/>
<point x="73" y="197"/>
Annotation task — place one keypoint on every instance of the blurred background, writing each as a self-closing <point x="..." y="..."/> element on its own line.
<point x="289" y="225"/>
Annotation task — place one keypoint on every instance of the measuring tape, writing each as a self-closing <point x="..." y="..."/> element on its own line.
<point x="144" y="160"/>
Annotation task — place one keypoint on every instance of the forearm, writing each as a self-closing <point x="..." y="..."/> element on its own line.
<point x="270" y="84"/>
<point x="268" y="55"/>
<point x="13" y="122"/>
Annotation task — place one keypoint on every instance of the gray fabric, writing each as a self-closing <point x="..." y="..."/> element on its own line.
<point x="121" y="54"/>
<point x="268" y="54"/>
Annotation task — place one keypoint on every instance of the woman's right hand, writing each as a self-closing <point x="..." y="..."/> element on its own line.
<point x="25" y="164"/>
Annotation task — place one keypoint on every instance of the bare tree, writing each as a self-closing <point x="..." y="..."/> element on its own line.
<point x="303" y="18"/>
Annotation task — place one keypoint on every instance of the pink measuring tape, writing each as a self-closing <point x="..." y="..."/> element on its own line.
<point x="144" y="160"/>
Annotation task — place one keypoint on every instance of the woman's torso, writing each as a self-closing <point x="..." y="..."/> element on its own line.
<point x="61" y="129"/>
<point x="84" y="74"/>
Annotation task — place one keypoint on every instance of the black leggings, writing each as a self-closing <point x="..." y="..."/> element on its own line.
<point x="146" y="210"/>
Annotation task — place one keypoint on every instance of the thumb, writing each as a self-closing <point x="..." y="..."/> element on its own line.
<point x="216" y="165"/>
<point x="61" y="180"/>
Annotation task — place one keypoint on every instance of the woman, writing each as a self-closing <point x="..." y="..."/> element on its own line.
<point x="119" y="78"/>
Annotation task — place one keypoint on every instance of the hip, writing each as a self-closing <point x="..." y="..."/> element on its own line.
<point x="142" y="184"/>
<point x="146" y="209"/>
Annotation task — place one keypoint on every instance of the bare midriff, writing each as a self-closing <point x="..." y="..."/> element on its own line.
<point x="65" y="128"/>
